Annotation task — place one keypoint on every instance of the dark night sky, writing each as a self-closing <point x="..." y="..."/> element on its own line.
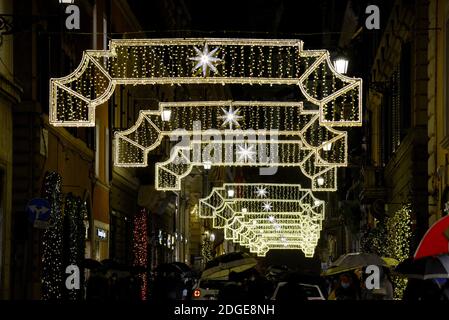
<point x="248" y="18"/>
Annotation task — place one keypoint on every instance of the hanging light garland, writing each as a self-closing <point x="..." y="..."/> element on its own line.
<point x="52" y="268"/>
<point x="73" y="98"/>
<point x="317" y="150"/>
<point x="266" y="216"/>
<point x="302" y="142"/>
<point x="140" y="248"/>
<point x="74" y="237"/>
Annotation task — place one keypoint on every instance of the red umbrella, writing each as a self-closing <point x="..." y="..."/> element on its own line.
<point x="435" y="241"/>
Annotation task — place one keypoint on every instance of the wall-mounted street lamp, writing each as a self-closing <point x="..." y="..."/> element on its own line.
<point x="166" y="115"/>
<point x="341" y="63"/>
<point x="207" y="165"/>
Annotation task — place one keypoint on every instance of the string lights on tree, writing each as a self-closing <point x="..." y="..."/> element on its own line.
<point x="52" y="268"/>
<point x="140" y="248"/>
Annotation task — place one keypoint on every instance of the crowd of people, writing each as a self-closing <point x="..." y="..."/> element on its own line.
<point x="168" y="284"/>
<point x="352" y="286"/>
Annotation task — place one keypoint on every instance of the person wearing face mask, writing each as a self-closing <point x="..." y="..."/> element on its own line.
<point x="346" y="288"/>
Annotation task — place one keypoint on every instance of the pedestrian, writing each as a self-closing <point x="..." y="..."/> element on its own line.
<point x="346" y="288"/>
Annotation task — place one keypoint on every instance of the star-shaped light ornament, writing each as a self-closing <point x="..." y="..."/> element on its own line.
<point x="205" y="60"/>
<point x="262" y="192"/>
<point x="245" y="153"/>
<point x="231" y="117"/>
<point x="267" y="206"/>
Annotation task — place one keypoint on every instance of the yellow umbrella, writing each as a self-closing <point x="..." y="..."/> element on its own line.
<point x="391" y="262"/>
<point x="221" y="272"/>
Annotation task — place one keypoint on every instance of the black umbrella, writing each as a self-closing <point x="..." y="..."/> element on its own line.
<point x="425" y="268"/>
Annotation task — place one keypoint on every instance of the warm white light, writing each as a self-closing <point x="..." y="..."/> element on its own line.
<point x="271" y="218"/>
<point x="244" y="210"/>
<point x="66" y="1"/>
<point x="230" y="193"/>
<point x="317" y="203"/>
<point x="206" y="60"/>
<point x="212" y="237"/>
<point x="277" y="227"/>
<point x="341" y="65"/>
<point x="207" y="165"/>
<point x="230" y="117"/>
<point x="267" y="206"/>
<point x="166" y="115"/>
<point x="320" y="181"/>
<point x="246" y="153"/>
<point x="261" y="192"/>
<point x="254" y="222"/>
<point x="327" y="146"/>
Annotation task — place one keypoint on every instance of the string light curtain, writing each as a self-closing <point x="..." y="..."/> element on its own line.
<point x="332" y="98"/>
<point x="300" y="141"/>
<point x="266" y="216"/>
<point x="140" y="249"/>
<point x="73" y="98"/>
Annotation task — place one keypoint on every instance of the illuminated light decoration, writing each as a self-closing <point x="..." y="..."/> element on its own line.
<point x="231" y="193"/>
<point x="206" y="60"/>
<point x="295" y="143"/>
<point x="295" y="218"/>
<point x="52" y="255"/>
<point x="73" y="98"/>
<point x="246" y="153"/>
<point x="261" y="192"/>
<point x="267" y="206"/>
<point x="334" y="99"/>
<point x="231" y="117"/>
<point x="140" y="248"/>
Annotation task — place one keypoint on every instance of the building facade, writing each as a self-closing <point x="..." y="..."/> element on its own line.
<point x="437" y="113"/>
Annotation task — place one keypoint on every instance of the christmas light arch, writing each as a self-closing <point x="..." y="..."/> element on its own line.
<point x="335" y="99"/>
<point x="292" y="220"/>
<point x="299" y="142"/>
<point x="73" y="98"/>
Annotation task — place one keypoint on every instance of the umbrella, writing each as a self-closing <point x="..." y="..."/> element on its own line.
<point x="391" y="262"/>
<point x="351" y="261"/>
<point x="435" y="241"/>
<point x="425" y="268"/>
<point x="224" y="265"/>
